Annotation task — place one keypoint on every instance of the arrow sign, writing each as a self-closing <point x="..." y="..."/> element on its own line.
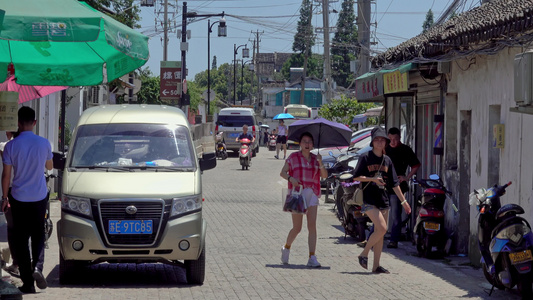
<point x="170" y="78"/>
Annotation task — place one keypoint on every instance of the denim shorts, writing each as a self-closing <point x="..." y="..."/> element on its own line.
<point x="367" y="207"/>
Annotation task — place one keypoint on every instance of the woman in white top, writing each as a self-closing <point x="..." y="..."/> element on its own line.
<point x="281" y="140"/>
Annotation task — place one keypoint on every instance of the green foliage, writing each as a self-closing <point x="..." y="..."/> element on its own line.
<point x="150" y="86"/>
<point x="428" y="22"/>
<point x="195" y="93"/>
<point x="304" y="39"/>
<point x="314" y="65"/>
<point x="343" y="110"/>
<point x="344" y="46"/>
<point x="222" y="83"/>
<point x="126" y="12"/>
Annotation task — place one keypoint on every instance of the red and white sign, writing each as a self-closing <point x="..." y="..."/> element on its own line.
<point x="170" y="78"/>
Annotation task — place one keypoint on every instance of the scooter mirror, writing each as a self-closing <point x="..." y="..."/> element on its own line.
<point x="330" y="153"/>
<point x="434" y="177"/>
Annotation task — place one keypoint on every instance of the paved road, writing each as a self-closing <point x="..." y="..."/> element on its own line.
<point x="246" y="229"/>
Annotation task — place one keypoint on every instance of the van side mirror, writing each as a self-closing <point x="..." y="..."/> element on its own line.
<point x="59" y="160"/>
<point x="208" y="161"/>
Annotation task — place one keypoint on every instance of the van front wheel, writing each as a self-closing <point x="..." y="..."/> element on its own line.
<point x="195" y="269"/>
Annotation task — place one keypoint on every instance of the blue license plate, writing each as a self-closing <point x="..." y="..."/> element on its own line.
<point x="233" y="135"/>
<point x="130" y="227"/>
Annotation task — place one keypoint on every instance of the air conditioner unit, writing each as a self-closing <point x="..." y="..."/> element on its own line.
<point x="523" y="78"/>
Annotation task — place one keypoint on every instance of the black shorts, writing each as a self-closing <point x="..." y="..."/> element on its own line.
<point x="282" y="139"/>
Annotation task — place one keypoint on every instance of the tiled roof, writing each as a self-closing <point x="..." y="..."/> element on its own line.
<point x="476" y="28"/>
<point x="267" y="63"/>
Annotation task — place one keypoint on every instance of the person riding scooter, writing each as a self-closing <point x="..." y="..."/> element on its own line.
<point x="246" y="135"/>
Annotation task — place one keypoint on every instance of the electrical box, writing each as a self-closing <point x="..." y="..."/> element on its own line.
<point x="443" y="67"/>
<point x="523" y="78"/>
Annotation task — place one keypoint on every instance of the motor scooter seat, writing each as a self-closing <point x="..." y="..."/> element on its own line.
<point x="509" y="210"/>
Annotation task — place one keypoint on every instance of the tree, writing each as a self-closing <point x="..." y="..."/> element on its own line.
<point x="343" y="110"/>
<point x="125" y="12"/>
<point x="428" y="22"/>
<point x="344" y="46"/>
<point x="314" y="65"/>
<point x="214" y="64"/>
<point x="150" y="88"/>
<point x="304" y="38"/>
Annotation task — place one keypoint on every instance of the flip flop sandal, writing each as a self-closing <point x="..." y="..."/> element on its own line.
<point x="381" y="270"/>
<point x="363" y="261"/>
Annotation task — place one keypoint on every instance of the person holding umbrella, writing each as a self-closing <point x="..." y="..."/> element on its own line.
<point x="303" y="170"/>
<point x="376" y="173"/>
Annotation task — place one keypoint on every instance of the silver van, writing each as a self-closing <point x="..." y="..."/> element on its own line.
<point x="132" y="191"/>
<point x="230" y="121"/>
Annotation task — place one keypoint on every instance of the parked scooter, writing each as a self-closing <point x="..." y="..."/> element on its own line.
<point x="245" y="154"/>
<point x="429" y="228"/>
<point x="272" y="142"/>
<point x="348" y="211"/>
<point x="221" y="146"/>
<point x="505" y="241"/>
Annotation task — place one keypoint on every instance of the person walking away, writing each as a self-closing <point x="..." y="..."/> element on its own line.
<point x="402" y="156"/>
<point x="246" y="135"/>
<point x="303" y="170"/>
<point x="375" y="171"/>
<point x="265" y="138"/>
<point x="12" y="268"/>
<point x="27" y="156"/>
<point x="281" y="140"/>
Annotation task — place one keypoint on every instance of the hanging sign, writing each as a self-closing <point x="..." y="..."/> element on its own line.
<point x="9" y="102"/>
<point x="395" y="82"/>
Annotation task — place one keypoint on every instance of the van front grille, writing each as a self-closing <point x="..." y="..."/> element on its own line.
<point x="122" y="210"/>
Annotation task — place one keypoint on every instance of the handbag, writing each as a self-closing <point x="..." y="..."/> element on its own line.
<point x="294" y="202"/>
<point x="358" y="194"/>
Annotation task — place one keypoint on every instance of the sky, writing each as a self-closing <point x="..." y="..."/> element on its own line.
<point x="275" y="20"/>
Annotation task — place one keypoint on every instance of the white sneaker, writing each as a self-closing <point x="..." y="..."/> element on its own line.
<point x="313" y="263"/>
<point x="285" y="255"/>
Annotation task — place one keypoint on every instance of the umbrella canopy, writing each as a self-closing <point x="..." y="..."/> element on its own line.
<point x="28" y="92"/>
<point x="325" y="133"/>
<point x="283" y="116"/>
<point x="265" y="126"/>
<point x="66" y="43"/>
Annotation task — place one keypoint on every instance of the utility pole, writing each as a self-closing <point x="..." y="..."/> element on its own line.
<point x="183" y="48"/>
<point x="363" y="37"/>
<point x="165" y="31"/>
<point x="306" y="56"/>
<point x="256" y="64"/>
<point x="327" y="61"/>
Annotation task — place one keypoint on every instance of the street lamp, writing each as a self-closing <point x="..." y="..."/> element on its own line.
<point x="245" y="54"/>
<point x="242" y="77"/>
<point x="222" y="31"/>
<point x="184" y="45"/>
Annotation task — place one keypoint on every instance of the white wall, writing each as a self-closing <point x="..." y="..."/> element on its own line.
<point x="480" y="82"/>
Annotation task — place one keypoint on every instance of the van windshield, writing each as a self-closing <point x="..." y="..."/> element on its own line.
<point x="133" y="146"/>
<point x="235" y="121"/>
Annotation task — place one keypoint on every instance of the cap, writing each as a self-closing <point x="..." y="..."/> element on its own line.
<point x="378" y="132"/>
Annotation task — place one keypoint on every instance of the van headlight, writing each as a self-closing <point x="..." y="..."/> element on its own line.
<point x="76" y="204"/>
<point x="184" y="205"/>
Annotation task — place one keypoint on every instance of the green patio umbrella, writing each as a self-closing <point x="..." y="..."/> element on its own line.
<point x="66" y="43"/>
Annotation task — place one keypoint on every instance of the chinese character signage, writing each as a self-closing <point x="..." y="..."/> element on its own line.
<point x="170" y="79"/>
<point x="369" y="87"/>
<point x="498" y="136"/>
<point x="8" y="111"/>
<point x="395" y="82"/>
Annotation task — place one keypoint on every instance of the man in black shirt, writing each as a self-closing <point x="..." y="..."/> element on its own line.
<point x="402" y="156"/>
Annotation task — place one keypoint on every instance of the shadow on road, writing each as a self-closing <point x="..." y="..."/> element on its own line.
<point x="295" y="267"/>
